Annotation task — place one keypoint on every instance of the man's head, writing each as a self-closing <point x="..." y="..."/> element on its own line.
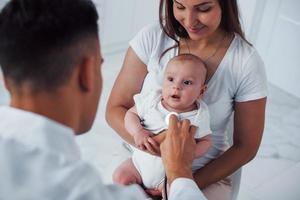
<point x="184" y="82"/>
<point x="47" y="45"/>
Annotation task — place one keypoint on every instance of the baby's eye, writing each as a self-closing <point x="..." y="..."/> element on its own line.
<point x="187" y="82"/>
<point x="170" y="79"/>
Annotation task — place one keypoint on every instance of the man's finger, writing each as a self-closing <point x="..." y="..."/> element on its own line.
<point x="185" y="126"/>
<point x="173" y="122"/>
<point x="179" y="124"/>
<point x="193" y="130"/>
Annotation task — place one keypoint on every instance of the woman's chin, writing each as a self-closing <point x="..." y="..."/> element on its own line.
<point x="198" y="35"/>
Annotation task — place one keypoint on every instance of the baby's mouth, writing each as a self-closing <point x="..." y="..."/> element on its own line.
<point x="175" y="96"/>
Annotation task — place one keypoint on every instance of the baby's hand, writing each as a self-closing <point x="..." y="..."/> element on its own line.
<point x="141" y="138"/>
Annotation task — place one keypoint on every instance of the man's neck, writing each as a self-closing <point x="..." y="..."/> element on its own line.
<point x="52" y="106"/>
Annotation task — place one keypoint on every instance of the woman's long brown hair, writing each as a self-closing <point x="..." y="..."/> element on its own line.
<point x="230" y="22"/>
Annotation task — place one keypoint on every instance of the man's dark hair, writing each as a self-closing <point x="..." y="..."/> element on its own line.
<point x="37" y="36"/>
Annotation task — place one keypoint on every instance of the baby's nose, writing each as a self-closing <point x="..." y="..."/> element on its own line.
<point x="176" y="86"/>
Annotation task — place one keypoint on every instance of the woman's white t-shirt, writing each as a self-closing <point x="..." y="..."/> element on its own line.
<point x="239" y="77"/>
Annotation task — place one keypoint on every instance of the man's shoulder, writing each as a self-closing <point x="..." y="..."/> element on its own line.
<point x="44" y="173"/>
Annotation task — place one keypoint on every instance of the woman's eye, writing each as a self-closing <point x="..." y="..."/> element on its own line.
<point x="187" y="82"/>
<point x="204" y="8"/>
<point x="180" y="7"/>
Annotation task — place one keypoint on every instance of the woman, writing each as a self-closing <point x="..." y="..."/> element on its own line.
<point x="209" y="29"/>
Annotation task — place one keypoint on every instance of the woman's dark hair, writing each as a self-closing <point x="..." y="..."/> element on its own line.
<point x="229" y="22"/>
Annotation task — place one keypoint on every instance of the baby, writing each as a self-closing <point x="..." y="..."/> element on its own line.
<point x="182" y="90"/>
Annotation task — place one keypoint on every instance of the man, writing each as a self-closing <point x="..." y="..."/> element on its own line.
<point x="50" y="57"/>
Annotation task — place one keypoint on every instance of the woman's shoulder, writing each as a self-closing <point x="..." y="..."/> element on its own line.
<point x="150" y="42"/>
<point x="243" y="48"/>
<point x="152" y="30"/>
<point x="152" y="27"/>
<point x="240" y="53"/>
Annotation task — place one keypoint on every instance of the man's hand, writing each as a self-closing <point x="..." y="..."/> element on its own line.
<point x="177" y="150"/>
<point x="160" y="137"/>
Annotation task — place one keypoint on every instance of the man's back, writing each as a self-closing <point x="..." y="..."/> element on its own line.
<point x="39" y="158"/>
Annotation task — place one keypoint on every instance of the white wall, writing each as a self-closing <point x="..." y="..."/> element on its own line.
<point x="277" y="40"/>
<point x="273" y="26"/>
<point x="120" y="21"/>
<point x="247" y="13"/>
<point x="2" y="2"/>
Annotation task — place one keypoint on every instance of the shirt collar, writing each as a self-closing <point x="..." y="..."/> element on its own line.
<point x="37" y="131"/>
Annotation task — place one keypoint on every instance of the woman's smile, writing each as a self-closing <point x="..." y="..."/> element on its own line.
<point x="195" y="29"/>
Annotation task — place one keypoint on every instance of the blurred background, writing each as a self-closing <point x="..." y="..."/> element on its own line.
<point x="273" y="27"/>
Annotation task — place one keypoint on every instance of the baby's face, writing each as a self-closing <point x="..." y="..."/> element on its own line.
<point x="183" y="84"/>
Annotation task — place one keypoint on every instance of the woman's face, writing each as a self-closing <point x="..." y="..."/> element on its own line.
<point x="200" y="18"/>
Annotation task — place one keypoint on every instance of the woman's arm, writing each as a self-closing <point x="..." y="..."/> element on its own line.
<point x="249" y="119"/>
<point x="128" y="83"/>
<point x="202" y="145"/>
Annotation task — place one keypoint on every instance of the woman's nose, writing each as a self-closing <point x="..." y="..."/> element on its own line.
<point x="191" y="19"/>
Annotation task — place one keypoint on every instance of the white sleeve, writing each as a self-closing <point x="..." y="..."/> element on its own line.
<point x="144" y="101"/>
<point x="252" y="82"/>
<point x="87" y="184"/>
<point x="185" y="189"/>
<point x="202" y="122"/>
<point x="139" y="102"/>
<point x="145" y="42"/>
<point x="76" y="180"/>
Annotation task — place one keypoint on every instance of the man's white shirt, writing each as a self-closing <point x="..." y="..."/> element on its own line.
<point x="39" y="159"/>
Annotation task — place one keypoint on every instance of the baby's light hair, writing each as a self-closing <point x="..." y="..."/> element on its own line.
<point x="193" y="58"/>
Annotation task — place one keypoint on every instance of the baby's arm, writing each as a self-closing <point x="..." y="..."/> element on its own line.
<point x="132" y="121"/>
<point x="134" y="127"/>
<point x="202" y="145"/>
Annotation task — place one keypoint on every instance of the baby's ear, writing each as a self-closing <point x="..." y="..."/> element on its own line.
<point x="202" y="90"/>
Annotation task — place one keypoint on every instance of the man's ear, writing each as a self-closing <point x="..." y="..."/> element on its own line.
<point x="6" y="85"/>
<point x="87" y="74"/>
<point x="202" y="90"/>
